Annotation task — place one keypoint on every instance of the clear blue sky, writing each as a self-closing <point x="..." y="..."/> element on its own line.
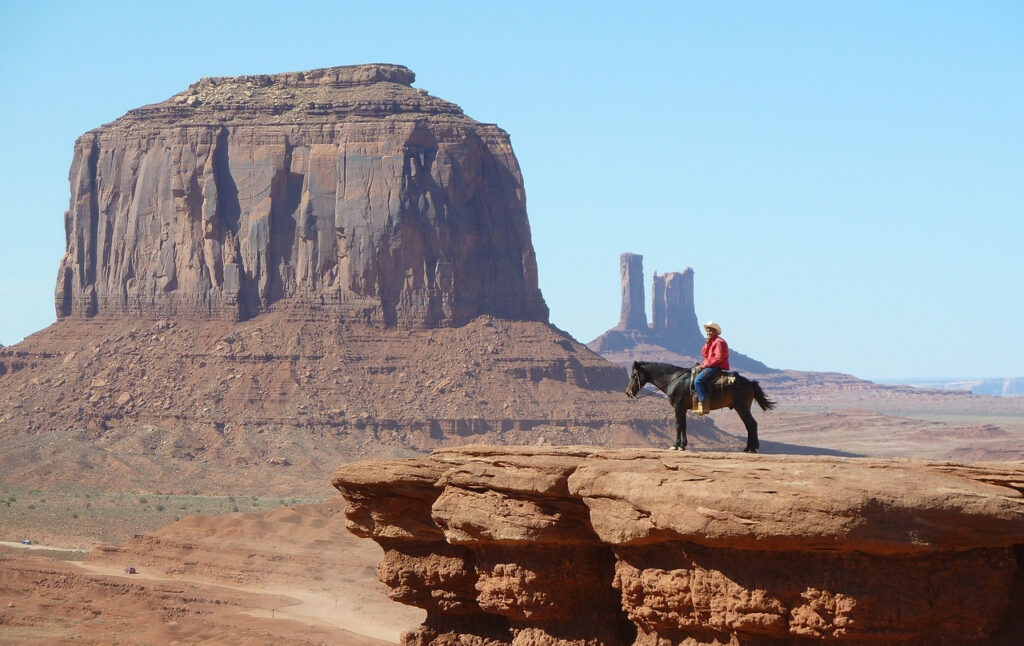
<point x="845" y="179"/>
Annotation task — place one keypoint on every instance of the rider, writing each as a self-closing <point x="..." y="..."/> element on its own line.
<point x="716" y="359"/>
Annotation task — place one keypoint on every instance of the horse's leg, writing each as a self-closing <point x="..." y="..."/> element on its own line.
<point x="748" y="420"/>
<point x="680" y="425"/>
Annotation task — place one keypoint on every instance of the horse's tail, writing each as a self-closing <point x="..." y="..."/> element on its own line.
<point x="761" y="398"/>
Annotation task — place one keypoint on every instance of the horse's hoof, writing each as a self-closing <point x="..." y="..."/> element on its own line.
<point x="750" y="450"/>
<point x="673" y="448"/>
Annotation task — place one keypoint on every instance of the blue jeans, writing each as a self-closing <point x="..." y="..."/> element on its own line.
<point x="700" y="384"/>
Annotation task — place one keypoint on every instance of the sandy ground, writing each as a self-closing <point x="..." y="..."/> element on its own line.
<point x="346" y="609"/>
<point x="288" y="575"/>
<point x="43" y="601"/>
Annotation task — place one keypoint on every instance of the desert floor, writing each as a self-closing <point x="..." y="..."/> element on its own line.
<point x="262" y="570"/>
<point x="288" y="575"/>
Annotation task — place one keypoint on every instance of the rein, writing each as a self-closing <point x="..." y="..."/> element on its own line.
<point x="649" y="393"/>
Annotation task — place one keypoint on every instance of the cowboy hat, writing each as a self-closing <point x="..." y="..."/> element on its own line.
<point x="714" y="326"/>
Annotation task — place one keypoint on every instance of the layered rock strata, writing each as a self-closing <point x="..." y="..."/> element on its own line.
<point x="273" y="401"/>
<point x="343" y="190"/>
<point x="586" y="546"/>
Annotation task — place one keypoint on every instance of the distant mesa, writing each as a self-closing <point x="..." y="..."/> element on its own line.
<point x="1006" y="387"/>
<point x="673" y="335"/>
<point x="342" y="191"/>
<point x="998" y="387"/>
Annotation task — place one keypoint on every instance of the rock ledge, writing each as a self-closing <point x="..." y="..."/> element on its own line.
<point x="575" y="545"/>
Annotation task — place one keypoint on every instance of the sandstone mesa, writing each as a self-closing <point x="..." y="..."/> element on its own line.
<point x="342" y="189"/>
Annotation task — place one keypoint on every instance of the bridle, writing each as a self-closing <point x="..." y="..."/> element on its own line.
<point x="634" y="385"/>
<point x="631" y="390"/>
<point x="649" y="393"/>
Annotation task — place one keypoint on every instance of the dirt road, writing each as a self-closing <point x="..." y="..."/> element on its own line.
<point x="33" y="546"/>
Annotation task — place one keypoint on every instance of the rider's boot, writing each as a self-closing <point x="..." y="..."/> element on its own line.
<point x="701" y="409"/>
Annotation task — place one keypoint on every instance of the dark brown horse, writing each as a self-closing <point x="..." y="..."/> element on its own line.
<point x="677" y="384"/>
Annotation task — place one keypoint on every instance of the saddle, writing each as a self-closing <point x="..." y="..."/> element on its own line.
<point x="724" y="381"/>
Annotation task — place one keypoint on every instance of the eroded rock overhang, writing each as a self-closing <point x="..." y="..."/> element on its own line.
<point x="576" y="545"/>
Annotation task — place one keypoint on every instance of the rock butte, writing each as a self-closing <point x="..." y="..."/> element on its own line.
<point x="575" y="545"/>
<point x="341" y="190"/>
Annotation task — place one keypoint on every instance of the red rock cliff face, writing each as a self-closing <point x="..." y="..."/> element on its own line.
<point x="340" y="189"/>
<point x="575" y="546"/>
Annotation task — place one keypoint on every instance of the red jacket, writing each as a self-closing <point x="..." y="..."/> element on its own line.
<point x="715" y="353"/>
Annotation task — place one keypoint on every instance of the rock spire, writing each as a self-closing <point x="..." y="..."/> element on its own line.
<point x="634" y="315"/>
<point x="674" y="335"/>
<point x="674" y="314"/>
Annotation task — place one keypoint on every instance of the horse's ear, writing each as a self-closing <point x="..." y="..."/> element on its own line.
<point x="636" y="364"/>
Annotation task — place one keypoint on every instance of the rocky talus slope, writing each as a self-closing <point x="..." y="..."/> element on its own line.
<point x="273" y="403"/>
<point x="587" y="546"/>
<point x="343" y="190"/>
